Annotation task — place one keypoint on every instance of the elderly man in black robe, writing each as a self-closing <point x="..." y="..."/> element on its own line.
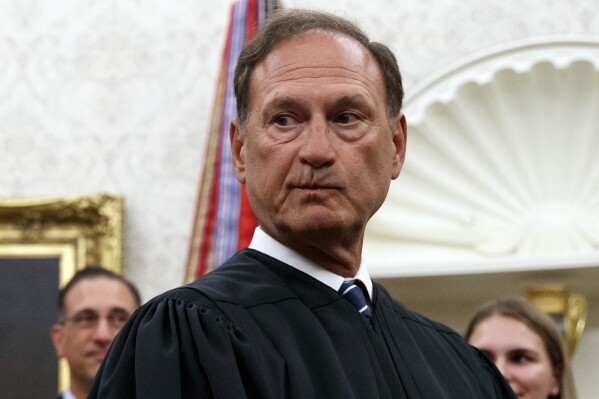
<point x="319" y="137"/>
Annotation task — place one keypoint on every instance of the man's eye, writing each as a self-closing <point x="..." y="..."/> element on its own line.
<point x="283" y="120"/>
<point x="85" y="318"/>
<point x="346" y="118"/>
<point x="117" y="320"/>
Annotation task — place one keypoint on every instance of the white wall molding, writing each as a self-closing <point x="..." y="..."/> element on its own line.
<point x="501" y="170"/>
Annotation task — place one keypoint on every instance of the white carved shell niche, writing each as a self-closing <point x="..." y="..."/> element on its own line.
<point x="502" y="167"/>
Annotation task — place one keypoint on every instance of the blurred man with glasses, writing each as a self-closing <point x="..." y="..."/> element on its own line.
<point x="93" y="306"/>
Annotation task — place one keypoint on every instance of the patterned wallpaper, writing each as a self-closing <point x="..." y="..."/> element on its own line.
<point x="114" y="96"/>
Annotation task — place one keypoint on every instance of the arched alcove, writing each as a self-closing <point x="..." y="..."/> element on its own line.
<point x="501" y="171"/>
<point x="500" y="188"/>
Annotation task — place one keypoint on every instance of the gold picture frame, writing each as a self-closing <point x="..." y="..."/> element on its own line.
<point x="76" y="231"/>
<point x="569" y="310"/>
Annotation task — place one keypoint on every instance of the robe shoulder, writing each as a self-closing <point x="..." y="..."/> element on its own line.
<point x="440" y="350"/>
<point x="181" y="345"/>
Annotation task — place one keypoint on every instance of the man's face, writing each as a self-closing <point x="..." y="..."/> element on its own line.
<point x="95" y="310"/>
<point x="318" y="152"/>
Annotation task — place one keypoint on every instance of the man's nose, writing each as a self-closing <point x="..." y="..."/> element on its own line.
<point x="104" y="331"/>
<point x="317" y="148"/>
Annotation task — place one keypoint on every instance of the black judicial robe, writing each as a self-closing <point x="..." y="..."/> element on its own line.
<point x="258" y="328"/>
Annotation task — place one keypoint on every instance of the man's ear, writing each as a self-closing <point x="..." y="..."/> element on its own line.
<point x="57" y="337"/>
<point x="400" y="137"/>
<point x="237" y="150"/>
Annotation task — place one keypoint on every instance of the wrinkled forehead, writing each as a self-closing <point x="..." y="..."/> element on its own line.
<point x="317" y="56"/>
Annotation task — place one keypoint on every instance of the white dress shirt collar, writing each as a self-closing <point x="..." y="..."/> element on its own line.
<point x="67" y="394"/>
<point x="266" y="244"/>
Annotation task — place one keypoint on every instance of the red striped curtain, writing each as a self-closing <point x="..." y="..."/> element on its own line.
<point x="223" y="220"/>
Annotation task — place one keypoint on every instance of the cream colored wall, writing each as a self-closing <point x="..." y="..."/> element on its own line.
<point x="112" y="96"/>
<point x="115" y="96"/>
<point x="585" y="365"/>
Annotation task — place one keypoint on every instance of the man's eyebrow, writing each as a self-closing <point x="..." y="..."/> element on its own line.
<point x="84" y="311"/>
<point x="283" y="102"/>
<point x="345" y="101"/>
<point x="114" y="309"/>
<point x="118" y="309"/>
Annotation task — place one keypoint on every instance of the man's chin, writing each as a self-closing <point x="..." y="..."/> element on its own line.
<point x="93" y="366"/>
<point x="313" y="227"/>
<point x="311" y="222"/>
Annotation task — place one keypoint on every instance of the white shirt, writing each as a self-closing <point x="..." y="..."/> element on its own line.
<point x="266" y="244"/>
<point x="67" y="394"/>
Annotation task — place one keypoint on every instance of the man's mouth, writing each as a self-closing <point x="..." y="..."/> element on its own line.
<point x="315" y="187"/>
<point x="97" y="354"/>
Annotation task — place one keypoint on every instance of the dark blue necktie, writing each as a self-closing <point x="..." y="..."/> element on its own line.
<point x="352" y="291"/>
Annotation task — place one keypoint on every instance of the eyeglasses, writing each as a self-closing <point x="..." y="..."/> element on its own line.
<point x="87" y="320"/>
